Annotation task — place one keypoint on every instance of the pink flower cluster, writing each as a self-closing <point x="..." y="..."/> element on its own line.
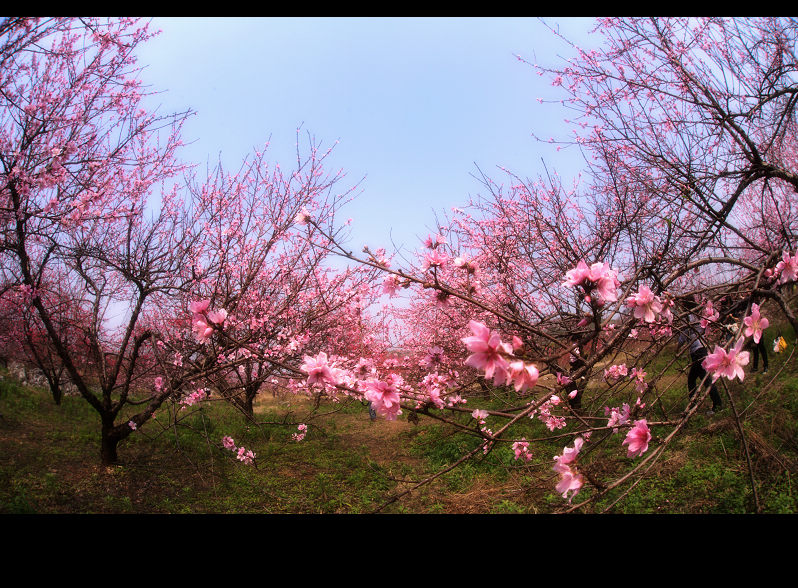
<point x="490" y="353"/>
<point x="435" y="390"/>
<point x="390" y="285"/>
<point x="202" y="319"/>
<point x="434" y="258"/>
<point x="242" y="454"/>
<point x="617" y="416"/>
<point x="544" y="415"/>
<point x="598" y="277"/>
<point x="195" y="397"/>
<point x="645" y="303"/>
<point x="521" y="449"/>
<point x="615" y="372"/>
<point x="302" y="217"/>
<point x="384" y="396"/>
<point x="637" y="439"/>
<point x="470" y="266"/>
<point x="570" y="479"/>
<point x="638" y="375"/>
<point x="320" y="371"/>
<point x="727" y="363"/>
<point x="300" y="435"/>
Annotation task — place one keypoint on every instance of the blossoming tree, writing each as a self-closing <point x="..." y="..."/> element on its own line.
<point x="687" y="125"/>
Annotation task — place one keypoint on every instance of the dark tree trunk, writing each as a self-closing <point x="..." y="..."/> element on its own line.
<point x="55" y="389"/>
<point x="110" y="440"/>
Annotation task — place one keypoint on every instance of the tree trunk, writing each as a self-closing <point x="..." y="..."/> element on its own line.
<point x="109" y="442"/>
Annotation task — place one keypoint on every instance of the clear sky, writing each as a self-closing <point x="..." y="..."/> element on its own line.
<point x="415" y="103"/>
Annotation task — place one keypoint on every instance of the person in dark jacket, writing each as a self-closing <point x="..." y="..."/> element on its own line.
<point x="692" y="336"/>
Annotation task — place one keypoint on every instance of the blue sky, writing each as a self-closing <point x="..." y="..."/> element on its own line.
<point x="415" y="103"/>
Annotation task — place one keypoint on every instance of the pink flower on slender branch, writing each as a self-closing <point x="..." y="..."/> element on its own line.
<point x="645" y="303"/>
<point x="319" y="371"/>
<point x="487" y="353"/>
<point x="521" y="449"/>
<point x="755" y="323"/>
<point x="787" y="268"/>
<point x="384" y="396"/>
<point x="523" y="375"/>
<point x="480" y="415"/>
<point x="637" y="438"/>
<point x="202" y="329"/>
<point x="390" y="285"/>
<point x="199" y="307"/>
<point x="710" y="315"/>
<point x="217" y="317"/>
<point x="302" y="217"/>
<point x="570" y="479"/>
<point x="727" y="363"/>
<point x="598" y="277"/>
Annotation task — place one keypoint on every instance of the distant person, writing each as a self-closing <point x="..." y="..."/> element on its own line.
<point x="698" y="352"/>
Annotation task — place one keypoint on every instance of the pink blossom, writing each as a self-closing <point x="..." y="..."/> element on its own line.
<point x="432" y="242"/>
<point x="433" y="358"/>
<point x="217" y="317"/>
<point x="202" y="329"/>
<point x="384" y="396"/>
<point x="523" y="375"/>
<point x="480" y="415"/>
<point x="199" y="307"/>
<point x="645" y="303"/>
<point x="487" y="351"/>
<point x="615" y="372"/>
<point x="755" y="323"/>
<point x="576" y="276"/>
<point x="195" y="397"/>
<point x="569" y="453"/>
<point x="302" y="217"/>
<point x="132" y="425"/>
<point x="598" y="277"/>
<point x="787" y="268"/>
<point x="390" y="285"/>
<point x="638" y="375"/>
<point x="319" y="370"/>
<point x="158" y="383"/>
<point x="637" y="438"/>
<point x="570" y="481"/>
<point x="434" y="258"/>
<point x="709" y="315"/>
<point x="729" y="364"/>
<point x="300" y="435"/>
<point x="245" y="456"/>
<point x="618" y="416"/>
<point x="228" y="443"/>
<point x="606" y="282"/>
<point x="521" y="449"/>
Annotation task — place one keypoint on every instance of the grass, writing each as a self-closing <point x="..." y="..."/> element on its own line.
<point x="49" y="460"/>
